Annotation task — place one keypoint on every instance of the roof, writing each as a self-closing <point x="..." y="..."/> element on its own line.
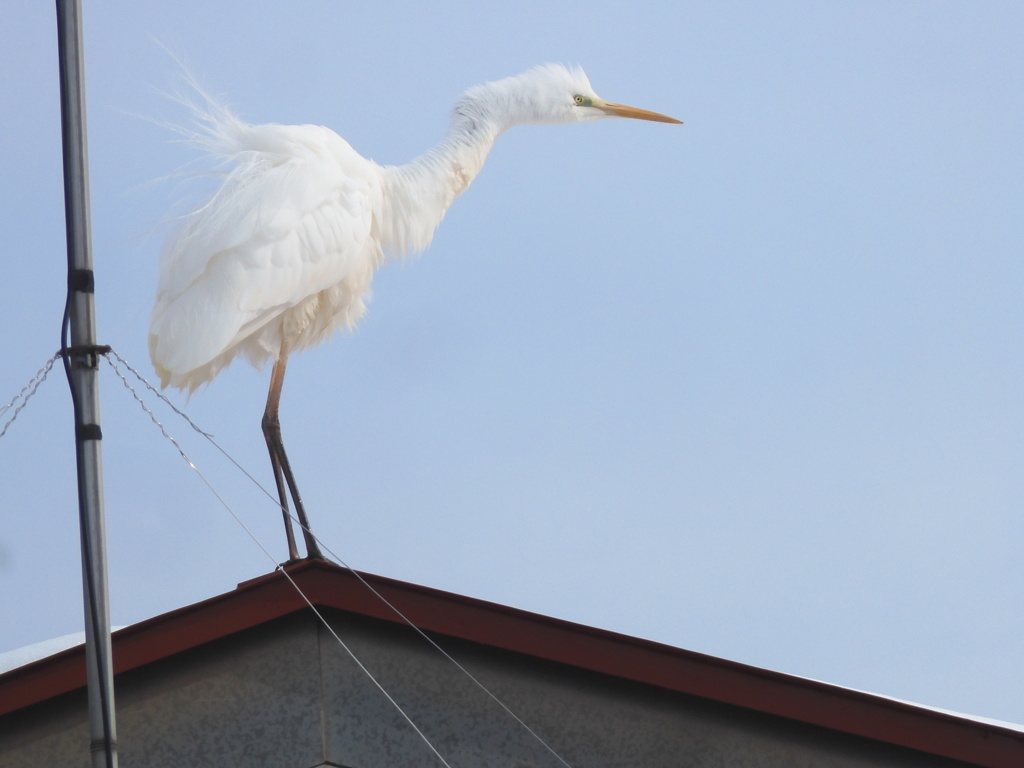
<point x="272" y="596"/>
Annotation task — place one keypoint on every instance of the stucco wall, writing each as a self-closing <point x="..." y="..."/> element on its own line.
<point x="285" y="695"/>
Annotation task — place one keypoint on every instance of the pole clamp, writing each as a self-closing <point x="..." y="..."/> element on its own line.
<point x="82" y="280"/>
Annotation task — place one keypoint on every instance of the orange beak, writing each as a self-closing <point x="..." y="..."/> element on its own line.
<point x="621" y="110"/>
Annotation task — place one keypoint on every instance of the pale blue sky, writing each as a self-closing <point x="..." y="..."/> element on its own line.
<point x="751" y="386"/>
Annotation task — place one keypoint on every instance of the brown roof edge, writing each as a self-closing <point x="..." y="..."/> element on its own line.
<point x="270" y="596"/>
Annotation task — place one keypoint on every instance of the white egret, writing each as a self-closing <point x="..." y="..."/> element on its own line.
<point x="283" y="252"/>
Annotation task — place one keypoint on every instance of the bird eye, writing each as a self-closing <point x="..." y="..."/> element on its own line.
<point x="578" y="99"/>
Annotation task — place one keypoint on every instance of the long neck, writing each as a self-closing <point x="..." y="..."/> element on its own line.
<point x="417" y="195"/>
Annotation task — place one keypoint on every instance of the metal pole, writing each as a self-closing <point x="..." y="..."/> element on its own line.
<point x="81" y="362"/>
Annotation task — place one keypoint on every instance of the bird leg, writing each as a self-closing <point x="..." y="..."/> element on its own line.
<point x="282" y="469"/>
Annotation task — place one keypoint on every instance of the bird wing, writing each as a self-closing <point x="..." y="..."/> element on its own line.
<point x="292" y="217"/>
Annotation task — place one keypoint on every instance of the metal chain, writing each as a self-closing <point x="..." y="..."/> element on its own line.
<point x="26" y="392"/>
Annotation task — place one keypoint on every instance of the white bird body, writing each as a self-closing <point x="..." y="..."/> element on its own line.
<point x="284" y="251"/>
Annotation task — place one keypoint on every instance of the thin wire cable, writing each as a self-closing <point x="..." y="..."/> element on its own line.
<point x="447" y="656"/>
<point x="241" y="523"/>
<point x="189" y="421"/>
<point x="26" y="393"/>
<point x="338" y="559"/>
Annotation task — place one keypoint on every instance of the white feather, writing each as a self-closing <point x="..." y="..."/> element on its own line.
<point x="283" y="252"/>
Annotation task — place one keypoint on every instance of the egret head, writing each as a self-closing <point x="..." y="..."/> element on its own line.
<point x="550" y="93"/>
